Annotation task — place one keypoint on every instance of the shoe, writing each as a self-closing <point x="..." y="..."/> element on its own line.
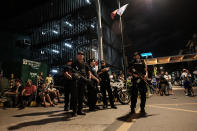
<point x="114" y="107"/>
<point x="142" y="111"/>
<point x="81" y="113"/>
<point x="21" y="107"/>
<point x="92" y="109"/>
<point x="97" y="108"/>
<point x="66" y="109"/>
<point x="52" y="105"/>
<point x="104" y="106"/>
<point x="74" y="114"/>
<point x="132" y="111"/>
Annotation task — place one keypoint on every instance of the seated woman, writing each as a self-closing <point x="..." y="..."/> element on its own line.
<point x="28" y="93"/>
<point x="45" y="95"/>
<point x="53" y="92"/>
<point x="15" y="93"/>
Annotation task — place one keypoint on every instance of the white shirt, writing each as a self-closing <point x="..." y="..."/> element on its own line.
<point x="167" y="77"/>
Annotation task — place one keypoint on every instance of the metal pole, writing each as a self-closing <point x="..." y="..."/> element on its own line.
<point x="100" y="36"/>
<point x="123" y="49"/>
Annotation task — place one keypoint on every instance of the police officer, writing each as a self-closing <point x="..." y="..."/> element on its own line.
<point x="68" y="83"/>
<point x="138" y="70"/>
<point x="81" y="70"/>
<point x="105" y="85"/>
<point x="92" y="88"/>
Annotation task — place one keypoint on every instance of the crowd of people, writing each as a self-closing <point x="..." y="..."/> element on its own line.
<point x="30" y="94"/>
<point x="162" y="83"/>
<point x="80" y="77"/>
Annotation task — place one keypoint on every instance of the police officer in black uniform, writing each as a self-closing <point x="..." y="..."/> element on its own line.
<point x="92" y="88"/>
<point x="105" y="85"/>
<point x="79" y="85"/>
<point x="138" y="70"/>
<point x="68" y="83"/>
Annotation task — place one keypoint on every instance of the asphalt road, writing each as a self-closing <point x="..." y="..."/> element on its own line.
<point x="164" y="113"/>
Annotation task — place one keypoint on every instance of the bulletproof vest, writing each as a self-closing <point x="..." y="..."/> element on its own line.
<point x="138" y="67"/>
<point x="81" y="67"/>
<point x="104" y="76"/>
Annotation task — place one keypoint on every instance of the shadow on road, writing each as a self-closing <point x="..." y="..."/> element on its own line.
<point x="130" y="118"/>
<point x="37" y="113"/>
<point x="63" y="117"/>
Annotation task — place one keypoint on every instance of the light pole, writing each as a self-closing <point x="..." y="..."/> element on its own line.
<point x="100" y="36"/>
<point x="123" y="49"/>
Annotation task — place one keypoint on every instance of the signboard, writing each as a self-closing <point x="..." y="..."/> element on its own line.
<point x="31" y="70"/>
<point x="146" y="54"/>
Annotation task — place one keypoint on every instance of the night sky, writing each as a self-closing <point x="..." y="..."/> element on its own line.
<point x="160" y="26"/>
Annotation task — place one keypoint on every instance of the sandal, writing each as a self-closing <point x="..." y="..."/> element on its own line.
<point x="52" y="105"/>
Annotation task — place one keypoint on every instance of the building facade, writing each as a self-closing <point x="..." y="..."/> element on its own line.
<point x="58" y="29"/>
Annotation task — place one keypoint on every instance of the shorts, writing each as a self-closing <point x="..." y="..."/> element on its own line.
<point x="187" y="85"/>
<point x="154" y="85"/>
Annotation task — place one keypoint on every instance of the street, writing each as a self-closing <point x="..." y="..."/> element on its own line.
<point x="164" y="113"/>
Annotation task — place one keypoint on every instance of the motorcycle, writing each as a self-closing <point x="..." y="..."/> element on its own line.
<point x="120" y="92"/>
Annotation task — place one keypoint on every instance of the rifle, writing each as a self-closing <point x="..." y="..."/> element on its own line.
<point x="142" y="78"/>
<point x="77" y="75"/>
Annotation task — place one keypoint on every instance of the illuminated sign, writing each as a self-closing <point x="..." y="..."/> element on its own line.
<point x="146" y="54"/>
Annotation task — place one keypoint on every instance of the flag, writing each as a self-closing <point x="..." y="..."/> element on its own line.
<point x="119" y="11"/>
<point x="113" y="14"/>
<point x="122" y="9"/>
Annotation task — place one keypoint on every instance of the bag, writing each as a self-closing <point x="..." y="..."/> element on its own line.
<point x="33" y="104"/>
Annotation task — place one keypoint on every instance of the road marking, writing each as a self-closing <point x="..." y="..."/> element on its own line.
<point x="173" y="104"/>
<point x="177" y="109"/>
<point x="126" y="125"/>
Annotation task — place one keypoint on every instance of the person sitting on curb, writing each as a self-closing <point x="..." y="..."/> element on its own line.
<point x="53" y="93"/>
<point x="44" y="94"/>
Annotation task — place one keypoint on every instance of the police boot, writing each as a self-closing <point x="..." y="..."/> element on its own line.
<point x="81" y="113"/>
<point x="74" y="114"/>
<point x="142" y="111"/>
<point x="132" y="111"/>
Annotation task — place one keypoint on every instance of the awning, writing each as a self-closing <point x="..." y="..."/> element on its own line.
<point x="171" y="59"/>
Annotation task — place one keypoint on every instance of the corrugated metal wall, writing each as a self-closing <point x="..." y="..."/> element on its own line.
<point x="66" y="28"/>
<point x="61" y="28"/>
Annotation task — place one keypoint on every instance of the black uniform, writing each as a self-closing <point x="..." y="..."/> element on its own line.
<point x="68" y="84"/>
<point x="105" y="85"/>
<point x="79" y="86"/>
<point x="138" y="67"/>
<point x="92" y="91"/>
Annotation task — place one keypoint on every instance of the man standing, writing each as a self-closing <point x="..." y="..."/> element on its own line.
<point x="105" y="85"/>
<point x="138" y="70"/>
<point x="68" y="83"/>
<point x="92" y="88"/>
<point x="81" y="72"/>
<point x="169" y="78"/>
